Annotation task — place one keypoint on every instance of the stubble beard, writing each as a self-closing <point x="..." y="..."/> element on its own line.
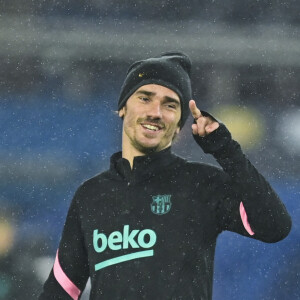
<point x="145" y="149"/>
<point x="142" y="148"/>
<point x="149" y="149"/>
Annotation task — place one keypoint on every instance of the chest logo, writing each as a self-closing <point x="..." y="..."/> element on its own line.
<point x="127" y="239"/>
<point x="161" y="204"/>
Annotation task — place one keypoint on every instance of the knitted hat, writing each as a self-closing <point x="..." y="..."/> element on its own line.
<point x="171" y="70"/>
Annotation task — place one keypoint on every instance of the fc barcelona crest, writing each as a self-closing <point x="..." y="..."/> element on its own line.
<point x="161" y="204"/>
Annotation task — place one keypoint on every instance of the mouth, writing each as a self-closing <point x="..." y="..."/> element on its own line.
<point x="152" y="127"/>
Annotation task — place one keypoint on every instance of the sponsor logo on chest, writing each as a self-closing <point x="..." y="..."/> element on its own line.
<point x="118" y="240"/>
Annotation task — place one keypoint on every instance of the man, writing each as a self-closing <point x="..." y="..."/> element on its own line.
<point x="147" y="227"/>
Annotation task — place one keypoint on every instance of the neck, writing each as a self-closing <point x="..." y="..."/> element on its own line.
<point x="129" y="152"/>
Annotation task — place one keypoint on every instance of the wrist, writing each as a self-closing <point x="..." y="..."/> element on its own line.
<point x="215" y="142"/>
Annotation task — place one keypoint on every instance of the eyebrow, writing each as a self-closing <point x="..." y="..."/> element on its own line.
<point x="170" y="99"/>
<point x="147" y="93"/>
<point x="167" y="98"/>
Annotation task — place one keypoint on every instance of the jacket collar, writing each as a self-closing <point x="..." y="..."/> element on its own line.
<point x="144" y="166"/>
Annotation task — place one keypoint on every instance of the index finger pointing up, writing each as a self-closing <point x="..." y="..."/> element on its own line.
<point x="196" y="113"/>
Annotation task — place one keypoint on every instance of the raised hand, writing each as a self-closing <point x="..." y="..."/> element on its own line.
<point x="204" y="125"/>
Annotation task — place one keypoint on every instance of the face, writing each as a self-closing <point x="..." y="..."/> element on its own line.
<point x="150" y="119"/>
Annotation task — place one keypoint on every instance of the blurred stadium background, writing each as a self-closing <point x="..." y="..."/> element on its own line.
<point x="62" y="65"/>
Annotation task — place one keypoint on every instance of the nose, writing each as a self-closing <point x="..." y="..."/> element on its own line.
<point x="154" y="110"/>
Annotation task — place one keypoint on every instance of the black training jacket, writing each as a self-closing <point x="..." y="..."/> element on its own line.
<point x="150" y="232"/>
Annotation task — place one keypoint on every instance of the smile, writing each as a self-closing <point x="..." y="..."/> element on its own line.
<point x="151" y="127"/>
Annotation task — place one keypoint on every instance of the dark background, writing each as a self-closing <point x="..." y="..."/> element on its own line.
<point x="62" y="66"/>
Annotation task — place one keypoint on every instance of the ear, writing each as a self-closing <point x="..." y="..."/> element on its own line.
<point x="122" y="112"/>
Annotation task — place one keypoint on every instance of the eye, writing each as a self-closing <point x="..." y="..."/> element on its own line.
<point x="144" y="98"/>
<point x="172" y="106"/>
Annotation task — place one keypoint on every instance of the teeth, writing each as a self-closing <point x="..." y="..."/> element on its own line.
<point x="151" y="127"/>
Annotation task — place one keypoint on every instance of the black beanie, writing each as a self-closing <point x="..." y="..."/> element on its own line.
<point x="171" y="70"/>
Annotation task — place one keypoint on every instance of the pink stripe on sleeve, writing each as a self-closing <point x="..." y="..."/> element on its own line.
<point x="244" y="218"/>
<point x="64" y="281"/>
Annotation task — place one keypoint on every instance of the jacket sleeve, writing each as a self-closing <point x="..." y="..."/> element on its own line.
<point x="249" y="205"/>
<point x="70" y="271"/>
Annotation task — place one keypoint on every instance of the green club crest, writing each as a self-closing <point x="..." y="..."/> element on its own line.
<point x="161" y="204"/>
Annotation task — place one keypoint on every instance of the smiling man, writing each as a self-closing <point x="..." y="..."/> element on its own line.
<point x="151" y="120"/>
<point x="147" y="227"/>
